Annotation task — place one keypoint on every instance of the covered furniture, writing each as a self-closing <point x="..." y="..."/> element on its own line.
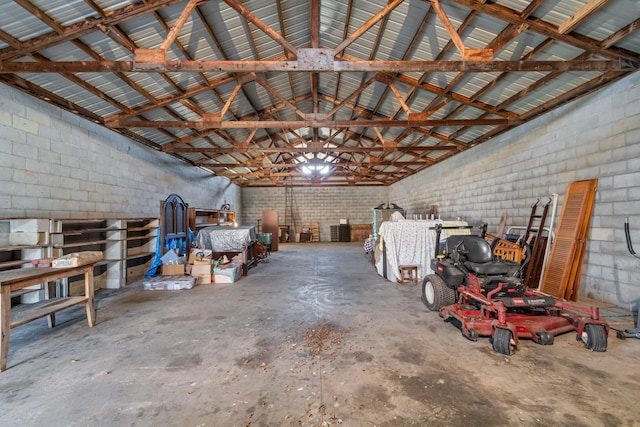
<point x="229" y="241"/>
<point x="410" y="242"/>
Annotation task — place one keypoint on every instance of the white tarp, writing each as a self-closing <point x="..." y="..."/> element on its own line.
<point x="411" y="242"/>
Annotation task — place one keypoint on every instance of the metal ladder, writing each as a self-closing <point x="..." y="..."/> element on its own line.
<point x="289" y="217"/>
<point x="534" y="231"/>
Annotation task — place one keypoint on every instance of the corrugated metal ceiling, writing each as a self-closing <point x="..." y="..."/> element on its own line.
<point x="250" y="90"/>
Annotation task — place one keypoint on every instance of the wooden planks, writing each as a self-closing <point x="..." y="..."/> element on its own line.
<point x="313" y="228"/>
<point x="562" y="274"/>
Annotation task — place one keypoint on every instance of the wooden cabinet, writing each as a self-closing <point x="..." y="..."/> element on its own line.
<point x="270" y="224"/>
<point x="202" y="217"/>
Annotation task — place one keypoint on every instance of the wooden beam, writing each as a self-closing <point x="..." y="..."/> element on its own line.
<point x="355" y="93"/>
<point x="621" y="34"/>
<point x="213" y="164"/>
<point x="36" y="12"/>
<point x="337" y="66"/>
<point x="278" y="95"/>
<point x="326" y="150"/>
<point x="262" y="26"/>
<point x="581" y="15"/>
<point x="85" y="27"/>
<point x="227" y="104"/>
<point x="399" y="97"/>
<point x="466" y="53"/>
<point x="365" y="27"/>
<point x="506" y="14"/>
<point x="314" y="123"/>
<point x="455" y="37"/>
<point x="177" y="26"/>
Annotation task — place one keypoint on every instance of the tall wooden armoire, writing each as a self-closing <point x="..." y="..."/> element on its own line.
<point x="270" y="224"/>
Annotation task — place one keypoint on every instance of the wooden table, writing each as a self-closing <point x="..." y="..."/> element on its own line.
<point x="14" y="280"/>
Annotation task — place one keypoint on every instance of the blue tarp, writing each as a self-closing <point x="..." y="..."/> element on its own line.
<point x="170" y="243"/>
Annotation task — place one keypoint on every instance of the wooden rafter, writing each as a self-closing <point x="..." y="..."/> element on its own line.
<point x="262" y="26"/>
<point x="581" y="15"/>
<point x="548" y="30"/>
<point x="265" y="150"/>
<point x="466" y="53"/>
<point x="313" y="123"/>
<point x="369" y="141"/>
<point x="337" y="66"/>
<point x="85" y="27"/>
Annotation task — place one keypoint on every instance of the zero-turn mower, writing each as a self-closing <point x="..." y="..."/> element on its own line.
<point x="486" y="295"/>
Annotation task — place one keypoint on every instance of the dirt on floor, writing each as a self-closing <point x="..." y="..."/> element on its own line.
<point x="315" y="337"/>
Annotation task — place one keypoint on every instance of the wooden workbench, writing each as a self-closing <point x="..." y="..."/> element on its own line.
<point x="15" y="280"/>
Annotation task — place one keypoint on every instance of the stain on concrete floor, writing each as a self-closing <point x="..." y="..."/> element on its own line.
<point x="313" y="338"/>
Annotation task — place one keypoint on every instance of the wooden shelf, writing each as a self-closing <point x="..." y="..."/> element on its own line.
<point x="21" y="247"/>
<point x="120" y="241"/>
<point x="16" y="263"/>
<point x="203" y="217"/>
<point x="29" y="312"/>
<point x="81" y="244"/>
<point x="139" y="255"/>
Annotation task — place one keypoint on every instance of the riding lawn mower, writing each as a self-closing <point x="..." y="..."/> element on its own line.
<point x="487" y="296"/>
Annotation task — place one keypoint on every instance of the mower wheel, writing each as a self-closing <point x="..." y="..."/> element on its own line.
<point x="435" y="293"/>
<point x="595" y="337"/>
<point x="502" y="341"/>
<point x="544" y="338"/>
<point x="471" y="335"/>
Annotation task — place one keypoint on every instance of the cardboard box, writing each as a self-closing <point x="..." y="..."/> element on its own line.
<point x="173" y="269"/>
<point x="199" y="256"/>
<point x="202" y="272"/>
<point x="228" y="273"/>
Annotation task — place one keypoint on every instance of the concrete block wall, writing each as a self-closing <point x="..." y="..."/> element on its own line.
<point x="325" y="205"/>
<point x="595" y="137"/>
<point x="54" y="164"/>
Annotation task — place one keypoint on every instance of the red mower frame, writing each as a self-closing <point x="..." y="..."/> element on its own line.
<point x="508" y="312"/>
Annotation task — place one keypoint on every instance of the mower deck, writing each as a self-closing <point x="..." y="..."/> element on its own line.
<point x="488" y="298"/>
<point x="540" y="325"/>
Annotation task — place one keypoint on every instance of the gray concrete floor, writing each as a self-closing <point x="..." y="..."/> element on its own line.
<point x="314" y="337"/>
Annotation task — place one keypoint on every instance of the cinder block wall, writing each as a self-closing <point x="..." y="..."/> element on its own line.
<point x="325" y="205"/>
<point x="595" y="137"/>
<point x="54" y="164"/>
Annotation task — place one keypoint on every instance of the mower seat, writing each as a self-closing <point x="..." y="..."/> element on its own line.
<point x="479" y="259"/>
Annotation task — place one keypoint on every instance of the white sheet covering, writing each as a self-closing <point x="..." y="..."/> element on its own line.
<point x="411" y="242"/>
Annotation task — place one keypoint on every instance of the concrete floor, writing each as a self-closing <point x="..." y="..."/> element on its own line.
<point x="314" y="337"/>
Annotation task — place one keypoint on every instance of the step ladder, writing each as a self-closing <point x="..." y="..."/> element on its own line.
<point x="536" y="239"/>
<point x="289" y="218"/>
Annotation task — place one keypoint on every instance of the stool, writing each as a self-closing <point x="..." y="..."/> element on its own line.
<point x="408" y="273"/>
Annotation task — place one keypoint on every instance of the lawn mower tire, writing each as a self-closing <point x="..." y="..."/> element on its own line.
<point x="502" y="341"/>
<point x="435" y="293"/>
<point x="595" y="337"/>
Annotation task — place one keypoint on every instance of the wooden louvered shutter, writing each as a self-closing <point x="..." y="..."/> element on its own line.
<point x="562" y="274"/>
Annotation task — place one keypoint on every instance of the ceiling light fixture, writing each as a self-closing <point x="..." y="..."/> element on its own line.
<point x="315" y="166"/>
